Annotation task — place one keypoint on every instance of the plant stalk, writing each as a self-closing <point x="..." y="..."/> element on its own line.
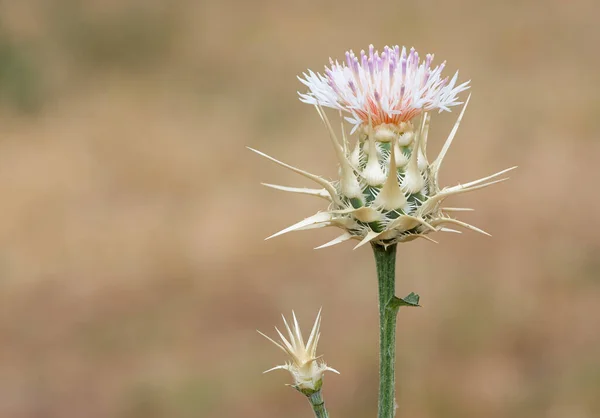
<point x="385" y="260"/>
<point x="318" y="405"/>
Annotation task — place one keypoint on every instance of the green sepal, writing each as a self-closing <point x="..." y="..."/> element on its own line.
<point x="356" y="202"/>
<point x="376" y="226"/>
<point x="309" y="392"/>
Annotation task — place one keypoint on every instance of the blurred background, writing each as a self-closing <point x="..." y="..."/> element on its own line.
<point x="133" y="271"/>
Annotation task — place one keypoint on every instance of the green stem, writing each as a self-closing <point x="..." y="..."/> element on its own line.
<point x="385" y="260"/>
<point x="318" y="405"/>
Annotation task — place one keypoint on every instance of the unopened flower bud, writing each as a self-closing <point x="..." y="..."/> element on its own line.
<point x="303" y="363"/>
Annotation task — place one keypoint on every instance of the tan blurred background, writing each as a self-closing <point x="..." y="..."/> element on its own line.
<point x="133" y="271"/>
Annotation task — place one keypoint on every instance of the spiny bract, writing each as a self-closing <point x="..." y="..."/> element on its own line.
<point x="388" y="191"/>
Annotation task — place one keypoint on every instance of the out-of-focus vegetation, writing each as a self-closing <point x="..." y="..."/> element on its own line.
<point x="132" y="268"/>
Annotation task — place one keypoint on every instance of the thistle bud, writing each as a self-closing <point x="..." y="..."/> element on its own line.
<point x="303" y="363"/>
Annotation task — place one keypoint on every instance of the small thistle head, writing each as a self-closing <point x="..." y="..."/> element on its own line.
<point x="303" y="363"/>
<point x="388" y="191"/>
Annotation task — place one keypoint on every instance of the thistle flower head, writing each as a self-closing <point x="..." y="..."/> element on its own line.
<point x="383" y="89"/>
<point x="388" y="190"/>
<point x="303" y="362"/>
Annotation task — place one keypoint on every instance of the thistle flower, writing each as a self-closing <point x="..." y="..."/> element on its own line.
<point x="390" y="88"/>
<point x="388" y="191"/>
<point x="303" y="364"/>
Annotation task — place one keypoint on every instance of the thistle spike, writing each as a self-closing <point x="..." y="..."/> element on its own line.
<point x="289" y="331"/>
<point x="482" y="180"/>
<point x="286" y="344"/>
<point x="308" y="223"/>
<point x="441" y="221"/>
<point x="342" y="238"/>
<point x="426" y="238"/>
<point x="457" y="209"/>
<point x="300" y="190"/>
<point x="328" y="186"/>
<point x="274" y="342"/>
<point x="348" y="183"/>
<point x="282" y="367"/>
<point x="440" y="158"/>
<point x="444" y="229"/>
<point x="311" y="344"/>
<point x="371" y="235"/>
<point x="412" y="237"/>
<point x="429" y="205"/>
<point x="463" y="189"/>
<point x="331" y="369"/>
<point x="300" y="340"/>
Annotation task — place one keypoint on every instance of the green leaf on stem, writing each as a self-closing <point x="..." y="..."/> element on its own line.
<point x="412" y="299"/>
